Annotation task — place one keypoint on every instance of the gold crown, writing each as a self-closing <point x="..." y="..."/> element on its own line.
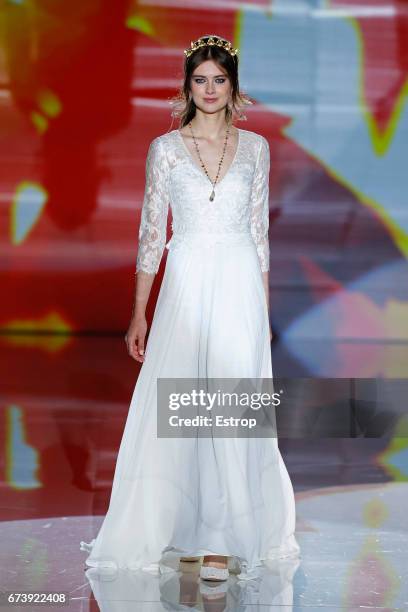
<point x="212" y="40"/>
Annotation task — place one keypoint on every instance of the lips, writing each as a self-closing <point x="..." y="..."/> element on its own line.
<point x="210" y="99"/>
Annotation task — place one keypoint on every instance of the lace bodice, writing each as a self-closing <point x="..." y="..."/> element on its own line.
<point x="174" y="179"/>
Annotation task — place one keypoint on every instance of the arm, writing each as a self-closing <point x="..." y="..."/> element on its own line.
<point x="260" y="211"/>
<point x="153" y="222"/>
<point x="152" y="239"/>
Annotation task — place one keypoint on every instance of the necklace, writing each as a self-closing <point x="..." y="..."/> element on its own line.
<point x="212" y="196"/>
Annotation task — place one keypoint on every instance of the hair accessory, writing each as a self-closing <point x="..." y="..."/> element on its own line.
<point x="212" y="40"/>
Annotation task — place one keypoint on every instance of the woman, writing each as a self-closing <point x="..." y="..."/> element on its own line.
<point x="229" y="500"/>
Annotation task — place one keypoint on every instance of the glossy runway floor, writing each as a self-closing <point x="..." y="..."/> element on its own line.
<point x="354" y="544"/>
<point x="61" y="433"/>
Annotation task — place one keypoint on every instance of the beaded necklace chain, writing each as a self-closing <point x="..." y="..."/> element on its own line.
<point x="212" y="196"/>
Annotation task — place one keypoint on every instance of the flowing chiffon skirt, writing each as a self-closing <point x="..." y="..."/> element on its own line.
<point x="203" y="495"/>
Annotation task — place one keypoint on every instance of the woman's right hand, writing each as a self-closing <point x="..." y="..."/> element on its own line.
<point x="135" y="338"/>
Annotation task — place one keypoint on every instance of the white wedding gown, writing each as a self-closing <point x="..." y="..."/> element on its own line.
<point x="195" y="496"/>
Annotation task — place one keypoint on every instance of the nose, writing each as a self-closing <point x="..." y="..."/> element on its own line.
<point x="210" y="88"/>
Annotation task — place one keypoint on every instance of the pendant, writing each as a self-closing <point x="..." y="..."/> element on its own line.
<point x="212" y="196"/>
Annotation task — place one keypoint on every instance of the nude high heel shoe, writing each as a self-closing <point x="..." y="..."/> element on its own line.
<point x="216" y="574"/>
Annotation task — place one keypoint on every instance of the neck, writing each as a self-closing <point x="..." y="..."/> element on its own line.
<point x="210" y="127"/>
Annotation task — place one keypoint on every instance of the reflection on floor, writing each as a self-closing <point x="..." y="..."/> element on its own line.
<point x="61" y="432"/>
<point x="353" y="554"/>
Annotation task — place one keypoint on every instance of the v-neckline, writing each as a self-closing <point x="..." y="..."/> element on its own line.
<point x="199" y="170"/>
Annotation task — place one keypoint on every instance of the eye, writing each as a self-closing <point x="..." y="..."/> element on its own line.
<point x="202" y="80"/>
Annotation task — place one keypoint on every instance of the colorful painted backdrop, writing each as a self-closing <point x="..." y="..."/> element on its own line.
<point x="85" y="87"/>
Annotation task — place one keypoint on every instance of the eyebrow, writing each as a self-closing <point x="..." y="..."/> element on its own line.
<point x="202" y="76"/>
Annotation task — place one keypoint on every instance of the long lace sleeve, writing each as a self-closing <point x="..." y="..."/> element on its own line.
<point x="153" y="222"/>
<point x="260" y="205"/>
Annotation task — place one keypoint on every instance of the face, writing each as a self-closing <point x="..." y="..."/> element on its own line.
<point x="210" y="87"/>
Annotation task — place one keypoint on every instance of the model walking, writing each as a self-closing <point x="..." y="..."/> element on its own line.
<point x="227" y="499"/>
